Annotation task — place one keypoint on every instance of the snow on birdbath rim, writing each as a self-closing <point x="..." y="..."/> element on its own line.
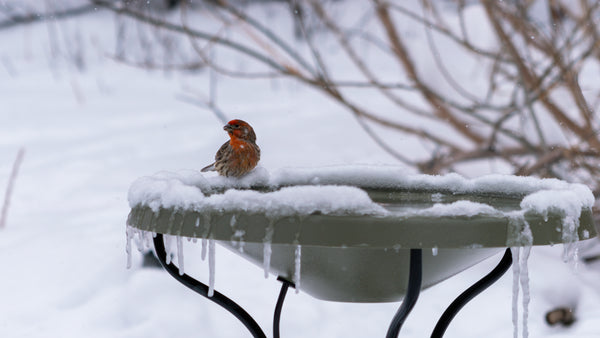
<point x="336" y="190"/>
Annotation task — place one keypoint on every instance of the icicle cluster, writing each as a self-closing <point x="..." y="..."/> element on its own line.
<point x="143" y="242"/>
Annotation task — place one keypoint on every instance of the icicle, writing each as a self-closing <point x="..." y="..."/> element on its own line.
<point x="576" y="257"/>
<point x="241" y="243"/>
<point x="434" y="250"/>
<point x="238" y="238"/>
<point x="267" y="248"/>
<point x="520" y="279"/>
<point x="171" y="222"/>
<point x="128" y="232"/>
<point x="168" y="248"/>
<point x="205" y="234"/>
<point x="266" y="258"/>
<point x="139" y="242"/>
<point x="211" y="267"/>
<point x="570" y="238"/>
<point x="148" y="239"/>
<point x="207" y="220"/>
<point x="180" y="254"/>
<point x="524" y="278"/>
<point x="203" y="254"/>
<point x="515" y="294"/>
<point x="297" y="266"/>
<point x="238" y="234"/>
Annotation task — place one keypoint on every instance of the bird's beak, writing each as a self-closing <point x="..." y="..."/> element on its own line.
<point x="228" y="128"/>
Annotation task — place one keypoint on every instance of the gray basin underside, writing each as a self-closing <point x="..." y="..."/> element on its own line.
<point x="361" y="258"/>
<point x="360" y="275"/>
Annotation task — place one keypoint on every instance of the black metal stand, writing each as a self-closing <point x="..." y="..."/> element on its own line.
<point x="202" y="289"/>
<point x="471" y="293"/>
<point x="412" y="292"/>
<point x="277" y="315"/>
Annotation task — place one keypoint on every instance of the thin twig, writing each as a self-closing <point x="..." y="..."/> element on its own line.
<point x="26" y="19"/>
<point x="205" y="104"/>
<point x="442" y="67"/>
<point x="9" y="188"/>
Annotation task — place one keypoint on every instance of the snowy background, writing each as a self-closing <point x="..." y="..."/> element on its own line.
<point x="89" y="133"/>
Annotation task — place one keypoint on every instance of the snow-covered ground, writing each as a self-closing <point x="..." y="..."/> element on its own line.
<point x="88" y="135"/>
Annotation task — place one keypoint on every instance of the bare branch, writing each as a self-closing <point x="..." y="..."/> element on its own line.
<point x="400" y="50"/>
<point x="360" y="64"/>
<point x="192" y="32"/>
<point x="269" y="34"/>
<point x="432" y="25"/>
<point x="530" y="79"/>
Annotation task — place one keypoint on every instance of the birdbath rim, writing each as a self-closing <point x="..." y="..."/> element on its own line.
<point x="364" y="206"/>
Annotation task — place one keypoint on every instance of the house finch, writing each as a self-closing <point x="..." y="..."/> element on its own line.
<point x="240" y="154"/>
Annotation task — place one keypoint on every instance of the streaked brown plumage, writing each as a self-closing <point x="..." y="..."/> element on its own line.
<point x="240" y="154"/>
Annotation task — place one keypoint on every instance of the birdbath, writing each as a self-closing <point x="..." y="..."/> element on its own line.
<point x="358" y="233"/>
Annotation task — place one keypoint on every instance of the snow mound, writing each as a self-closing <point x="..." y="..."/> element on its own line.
<point x="459" y="208"/>
<point x="336" y="190"/>
<point x="169" y="190"/>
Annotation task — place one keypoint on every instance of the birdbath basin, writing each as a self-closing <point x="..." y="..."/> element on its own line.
<point x="345" y="233"/>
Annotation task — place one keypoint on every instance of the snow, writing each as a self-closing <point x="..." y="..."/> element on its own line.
<point x="89" y="134"/>
<point x="179" y="188"/>
<point x="397" y="177"/>
<point x="171" y="191"/>
<point x="335" y="190"/>
<point x="458" y="208"/>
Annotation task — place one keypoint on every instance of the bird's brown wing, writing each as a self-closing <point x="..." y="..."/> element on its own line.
<point x="218" y="157"/>
<point x="222" y="151"/>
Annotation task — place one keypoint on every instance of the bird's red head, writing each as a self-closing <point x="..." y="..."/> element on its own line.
<point x="240" y="129"/>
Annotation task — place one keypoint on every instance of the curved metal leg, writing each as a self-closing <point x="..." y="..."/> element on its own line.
<point x="277" y="315"/>
<point x="471" y="293"/>
<point x="202" y="289"/>
<point x="412" y="293"/>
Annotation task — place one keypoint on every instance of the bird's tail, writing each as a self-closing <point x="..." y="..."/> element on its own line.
<point x="210" y="167"/>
